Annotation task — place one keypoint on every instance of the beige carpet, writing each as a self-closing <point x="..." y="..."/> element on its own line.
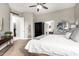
<point x="3" y="51"/>
<point x="17" y="49"/>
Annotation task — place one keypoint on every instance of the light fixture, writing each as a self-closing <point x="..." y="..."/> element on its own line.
<point x="39" y="6"/>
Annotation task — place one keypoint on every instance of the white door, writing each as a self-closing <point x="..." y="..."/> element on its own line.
<point x="19" y="21"/>
<point x="22" y="27"/>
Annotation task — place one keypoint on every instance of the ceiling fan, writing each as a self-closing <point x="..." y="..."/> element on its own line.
<point x="39" y="6"/>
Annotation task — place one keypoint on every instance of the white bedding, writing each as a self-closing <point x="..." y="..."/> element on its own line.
<point x="54" y="45"/>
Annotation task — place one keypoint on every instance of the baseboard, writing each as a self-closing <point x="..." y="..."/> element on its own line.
<point x="14" y="39"/>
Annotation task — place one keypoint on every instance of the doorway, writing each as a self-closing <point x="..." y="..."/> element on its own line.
<point x="17" y="25"/>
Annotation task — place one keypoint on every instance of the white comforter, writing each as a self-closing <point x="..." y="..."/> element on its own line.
<point x="54" y="45"/>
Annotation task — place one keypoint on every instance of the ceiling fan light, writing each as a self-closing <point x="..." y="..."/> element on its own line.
<point x="39" y="6"/>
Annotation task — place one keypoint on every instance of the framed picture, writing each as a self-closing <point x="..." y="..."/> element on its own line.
<point x="0" y="24"/>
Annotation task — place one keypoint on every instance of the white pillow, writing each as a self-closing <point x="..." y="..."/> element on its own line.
<point x="67" y="35"/>
<point x="75" y="35"/>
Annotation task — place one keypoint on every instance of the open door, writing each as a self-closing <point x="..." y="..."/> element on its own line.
<point x="17" y="26"/>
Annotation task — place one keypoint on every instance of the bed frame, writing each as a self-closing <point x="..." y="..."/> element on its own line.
<point x="34" y="54"/>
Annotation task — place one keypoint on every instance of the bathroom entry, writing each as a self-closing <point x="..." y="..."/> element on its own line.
<point x="17" y="25"/>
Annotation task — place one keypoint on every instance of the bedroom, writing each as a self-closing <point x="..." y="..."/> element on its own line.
<point x="58" y="23"/>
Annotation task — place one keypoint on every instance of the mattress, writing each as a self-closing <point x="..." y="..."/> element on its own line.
<point x="56" y="45"/>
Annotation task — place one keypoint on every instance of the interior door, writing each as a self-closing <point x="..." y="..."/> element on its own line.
<point x="39" y="29"/>
<point x="19" y="22"/>
<point x="22" y="27"/>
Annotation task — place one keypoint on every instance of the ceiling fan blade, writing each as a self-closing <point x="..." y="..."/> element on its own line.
<point x="38" y="3"/>
<point x="37" y="10"/>
<point x="33" y="6"/>
<point x="44" y="7"/>
<point x="43" y="3"/>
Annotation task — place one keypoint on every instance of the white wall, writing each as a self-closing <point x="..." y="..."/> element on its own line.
<point x="77" y="12"/>
<point x="4" y="14"/>
<point x="67" y="14"/>
<point x="64" y="14"/>
<point x="28" y="21"/>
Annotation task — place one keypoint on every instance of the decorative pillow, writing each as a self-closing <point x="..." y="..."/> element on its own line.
<point x="75" y="35"/>
<point x="68" y="34"/>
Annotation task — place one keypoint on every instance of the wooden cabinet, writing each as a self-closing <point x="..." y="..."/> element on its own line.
<point x="39" y="29"/>
<point x="5" y="39"/>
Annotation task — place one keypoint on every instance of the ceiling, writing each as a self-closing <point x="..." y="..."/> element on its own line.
<point x="24" y="7"/>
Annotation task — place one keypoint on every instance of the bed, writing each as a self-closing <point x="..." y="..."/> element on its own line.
<point x="53" y="45"/>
